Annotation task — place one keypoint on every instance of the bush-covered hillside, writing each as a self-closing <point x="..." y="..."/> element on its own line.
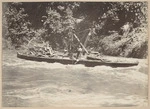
<point x="116" y="28"/>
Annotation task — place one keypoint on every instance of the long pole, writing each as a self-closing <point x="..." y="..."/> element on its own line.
<point x="87" y="38"/>
<point x="81" y="43"/>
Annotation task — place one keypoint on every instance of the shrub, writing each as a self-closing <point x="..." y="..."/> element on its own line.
<point x="134" y="45"/>
<point x="18" y="28"/>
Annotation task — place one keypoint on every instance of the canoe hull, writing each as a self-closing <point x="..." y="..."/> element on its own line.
<point x="88" y="63"/>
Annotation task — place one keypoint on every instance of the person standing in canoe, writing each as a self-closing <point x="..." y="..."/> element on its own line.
<point x="79" y="51"/>
<point x="70" y="43"/>
<point x="48" y="49"/>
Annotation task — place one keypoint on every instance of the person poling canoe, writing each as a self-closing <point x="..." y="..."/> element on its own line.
<point x="48" y="49"/>
<point x="79" y="51"/>
<point x="70" y="43"/>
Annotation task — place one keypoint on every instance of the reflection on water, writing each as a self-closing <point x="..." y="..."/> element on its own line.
<point x="28" y="83"/>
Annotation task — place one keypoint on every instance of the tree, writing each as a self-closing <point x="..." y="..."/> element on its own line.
<point x="58" y="22"/>
<point x="16" y="23"/>
<point x="113" y="15"/>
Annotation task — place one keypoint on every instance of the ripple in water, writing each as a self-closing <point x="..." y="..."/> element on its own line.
<point x="28" y="83"/>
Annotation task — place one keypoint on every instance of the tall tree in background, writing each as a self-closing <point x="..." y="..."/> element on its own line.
<point x="59" y="21"/>
<point x="18" y="27"/>
<point x="19" y="20"/>
<point x="113" y="15"/>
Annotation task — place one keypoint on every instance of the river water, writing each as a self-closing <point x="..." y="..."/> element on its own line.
<point x="29" y="84"/>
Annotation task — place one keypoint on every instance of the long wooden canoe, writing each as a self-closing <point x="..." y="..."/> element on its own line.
<point x="86" y="62"/>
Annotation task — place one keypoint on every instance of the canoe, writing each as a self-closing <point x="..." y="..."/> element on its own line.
<point x="86" y="62"/>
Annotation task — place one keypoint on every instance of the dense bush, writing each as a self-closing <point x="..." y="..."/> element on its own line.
<point x="135" y="44"/>
<point x="119" y="27"/>
<point x="18" y="28"/>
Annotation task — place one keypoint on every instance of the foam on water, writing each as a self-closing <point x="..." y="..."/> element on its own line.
<point x="45" y="65"/>
<point x="128" y="72"/>
<point x="55" y="84"/>
<point x="14" y="61"/>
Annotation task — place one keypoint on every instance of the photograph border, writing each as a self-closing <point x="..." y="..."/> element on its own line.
<point x="146" y="107"/>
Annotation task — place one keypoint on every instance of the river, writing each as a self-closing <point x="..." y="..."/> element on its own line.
<point x="40" y="84"/>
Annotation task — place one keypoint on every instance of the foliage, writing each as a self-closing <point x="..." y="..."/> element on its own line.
<point x="58" y="25"/>
<point x="139" y="46"/>
<point x="57" y="21"/>
<point x="113" y="15"/>
<point x="134" y="45"/>
<point x="18" y="28"/>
